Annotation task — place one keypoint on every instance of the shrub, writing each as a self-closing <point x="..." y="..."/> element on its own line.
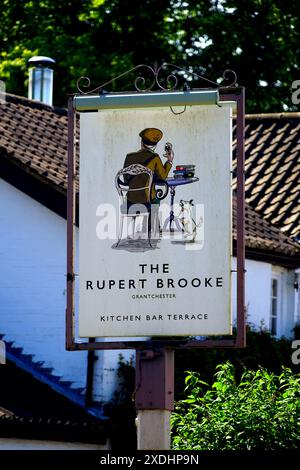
<point x="262" y="351"/>
<point x="261" y="412"/>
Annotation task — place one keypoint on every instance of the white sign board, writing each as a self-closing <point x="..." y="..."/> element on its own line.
<point x="153" y="279"/>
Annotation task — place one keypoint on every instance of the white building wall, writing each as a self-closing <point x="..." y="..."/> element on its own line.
<point x="258" y="295"/>
<point x="32" y="288"/>
<point x="297" y="298"/>
<point x="106" y="378"/>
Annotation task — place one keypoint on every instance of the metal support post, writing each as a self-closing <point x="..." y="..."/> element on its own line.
<point x="154" y="398"/>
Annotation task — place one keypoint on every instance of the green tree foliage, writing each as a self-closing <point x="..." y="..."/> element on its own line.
<point x="259" y="39"/>
<point x="47" y="28"/>
<point x="97" y="38"/>
<point x="261" y="412"/>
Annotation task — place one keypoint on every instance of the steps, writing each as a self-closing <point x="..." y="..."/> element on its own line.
<point x="46" y="374"/>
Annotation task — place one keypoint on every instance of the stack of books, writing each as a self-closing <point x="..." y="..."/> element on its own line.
<point x="184" y="171"/>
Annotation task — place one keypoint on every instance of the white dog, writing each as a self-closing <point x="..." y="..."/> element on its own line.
<point x="187" y="221"/>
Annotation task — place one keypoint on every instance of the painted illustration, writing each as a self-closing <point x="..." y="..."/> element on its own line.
<point x="155" y="222"/>
<point x="142" y="183"/>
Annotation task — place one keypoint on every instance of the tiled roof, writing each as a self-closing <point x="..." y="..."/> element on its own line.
<point x="49" y="428"/>
<point x="34" y="408"/>
<point x="34" y="137"/>
<point x="272" y="144"/>
<point x="40" y="371"/>
<point x="261" y="235"/>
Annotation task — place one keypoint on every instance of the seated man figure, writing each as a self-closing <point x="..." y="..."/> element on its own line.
<point x="147" y="157"/>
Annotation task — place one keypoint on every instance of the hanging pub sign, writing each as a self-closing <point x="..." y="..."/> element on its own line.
<point x="155" y="214"/>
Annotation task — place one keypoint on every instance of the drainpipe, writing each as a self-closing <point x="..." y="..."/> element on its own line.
<point x="91" y="358"/>
<point x="297" y="300"/>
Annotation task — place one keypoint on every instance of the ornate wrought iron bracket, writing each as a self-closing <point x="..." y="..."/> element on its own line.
<point x="159" y="81"/>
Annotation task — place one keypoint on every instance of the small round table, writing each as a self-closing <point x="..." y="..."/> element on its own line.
<point x="173" y="183"/>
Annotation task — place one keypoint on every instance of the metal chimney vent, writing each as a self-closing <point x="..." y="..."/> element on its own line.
<point x="41" y="79"/>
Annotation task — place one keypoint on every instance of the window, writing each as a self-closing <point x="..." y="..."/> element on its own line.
<point x="274" y="307"/>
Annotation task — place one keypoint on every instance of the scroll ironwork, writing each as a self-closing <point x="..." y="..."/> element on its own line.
<point x="153" y="78"/>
